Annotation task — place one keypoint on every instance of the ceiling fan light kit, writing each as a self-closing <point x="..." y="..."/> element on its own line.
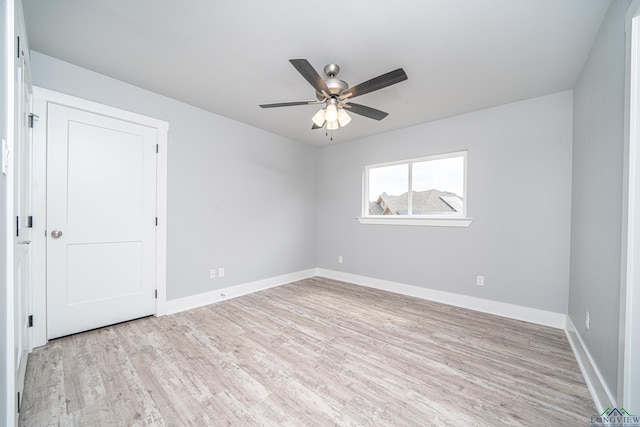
<point x="332" y="126"/>
<point x="318" y="118"/>
<point x="343" y="118"/>
<point x="331" y="113"/>
<point x="333" y="93"/>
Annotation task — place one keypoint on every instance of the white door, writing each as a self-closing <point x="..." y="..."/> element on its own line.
<point x="22" y="203"/>
<point x="101" y="220"/>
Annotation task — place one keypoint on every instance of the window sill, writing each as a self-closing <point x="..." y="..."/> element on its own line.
<point x="428" y="222"/>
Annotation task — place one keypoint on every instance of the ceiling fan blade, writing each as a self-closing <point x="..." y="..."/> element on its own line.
<point x="289" y="104"/>
<point x="310" y="74"/>
<point x="376" y="83"/>
<point x="363" y="110"/>
<point x="315" y="126"/>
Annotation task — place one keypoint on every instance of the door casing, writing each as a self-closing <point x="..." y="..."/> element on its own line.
<point x="22" y="211"/>
<point x="42" y="98"/>
<point x="628" y="392"/>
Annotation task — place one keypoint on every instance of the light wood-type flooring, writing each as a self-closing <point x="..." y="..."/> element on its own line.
<point x="311" y="353"/>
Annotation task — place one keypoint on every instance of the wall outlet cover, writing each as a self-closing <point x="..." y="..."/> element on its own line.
<point x="5" y="156"/>
<point x="587" y="321"/>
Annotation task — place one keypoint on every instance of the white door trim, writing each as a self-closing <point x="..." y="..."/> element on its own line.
<point x="628" y="393"/>
<point x="9" y="406"/>
<point x="42" y="97"/>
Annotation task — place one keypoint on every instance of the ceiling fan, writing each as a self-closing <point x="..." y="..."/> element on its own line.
<point x="334" y="93"/>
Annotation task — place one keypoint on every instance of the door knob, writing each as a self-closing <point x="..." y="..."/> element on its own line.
<point x="56" y="233"/>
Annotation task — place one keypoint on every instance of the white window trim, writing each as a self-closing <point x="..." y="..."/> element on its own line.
<point x="436" y="220"/>
<point x="431" y="222"/>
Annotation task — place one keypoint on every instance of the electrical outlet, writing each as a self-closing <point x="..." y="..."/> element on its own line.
<point x="212" y="273"/>
<point x="339" y="259"/>
<point x="586" y="320"/>
<point x="221" y="272"/>
<point x="480" y="280"/>
<point x="5" y="156"/>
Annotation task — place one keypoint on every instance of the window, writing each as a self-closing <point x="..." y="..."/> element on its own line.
<point x="424" y="191"/>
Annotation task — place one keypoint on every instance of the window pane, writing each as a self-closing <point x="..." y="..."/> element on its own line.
<point x="438" y="186"/>
<point x="388" y="187"/>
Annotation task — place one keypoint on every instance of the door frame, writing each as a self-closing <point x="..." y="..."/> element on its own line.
<point x="8" y="408"/>
<point x="628" y="392"/>
<point x="41" y="98"/>
<point x="15" y="128"/>
<point x="22" y="146"/>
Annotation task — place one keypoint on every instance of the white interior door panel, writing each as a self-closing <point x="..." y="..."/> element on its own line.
<point x="101" y="199"/>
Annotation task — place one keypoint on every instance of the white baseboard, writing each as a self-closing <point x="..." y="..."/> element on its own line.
<point x="512" y="311"/>
<point x="602" y="396"/>
<point x="217" y="295"/>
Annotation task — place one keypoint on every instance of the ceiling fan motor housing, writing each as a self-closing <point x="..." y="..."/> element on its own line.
<point x="336" y="86"/>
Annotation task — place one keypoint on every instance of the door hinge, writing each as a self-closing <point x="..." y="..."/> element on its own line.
<point x="30" y="221"/>
<point x="17" y="226"/>
<point x="156" y="221"/>
<point x="31" y="320"/>
<point x="31" y="117"/>
<point x="157" y="148"/>
<point x="156" y="294"/>
<point x="18" y="402"/>
<point x="18" y="47"/>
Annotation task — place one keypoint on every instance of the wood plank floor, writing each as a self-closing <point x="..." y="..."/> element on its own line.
<point x="311" y="353"/>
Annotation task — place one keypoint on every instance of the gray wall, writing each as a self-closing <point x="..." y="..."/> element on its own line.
<point x="519" y="192"/>
<point x="238" y="197"/>
<point x="3" y="221"/>
<point x="597" y="194"/>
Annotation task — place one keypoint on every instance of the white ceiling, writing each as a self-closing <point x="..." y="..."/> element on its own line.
<point x="228" y="56"/>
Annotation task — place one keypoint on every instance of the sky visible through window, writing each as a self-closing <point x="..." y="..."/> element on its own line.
<point x="441" y="174"/>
